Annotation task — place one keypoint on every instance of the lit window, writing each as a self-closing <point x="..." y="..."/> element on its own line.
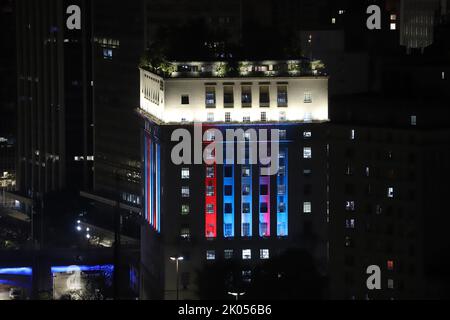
<point x="393" y="26"/>
<point x="227" y="116"/>
<point x="413" y="120"/>
<point x="263" y="116"/>
<point x="210" y="255"/>
<point x="210" y="172"/>
<point x="348" y="242"/>
<point x="185" y="99"/>
<point x="247" y="254"/>
<point x="210" y="208"/>
<point x="246" y="229"/>
<point x="393" y="17"/>
<point x="390" y="192"/>
<point x="107" y="54"/>
<point x="228" y="254"/>
<point x="307" y="134"/>
<point x="333" y="20"/>
<point x="350" y="205"/>
<point x="185" y="192"/>
<point x="307" y="172"/>
<point x="350" y="223"/>
<point x="210" y="117"/>
<point x="210" y="98"/>
<point x="264" y="254"/>
<point x="341" y="11"/>
<point x="307" y="153"/>
<point x="228" y="230"/>
<point x="307" y="207"/>
<point x="390" y="283"/>
<point x="185" y="209"/>
<point x="443" y="75"/>
<point x="210" y="191"/>
<point x="282" y="98"/>
<point x="390" y="265"/>
<point x="352" y="134"/>
<point x="185" y="234"/>
<point x="282" y="134"/>
<point x="246" y="96"/>
<point x="246" y="172"/>
<point x="185" y="173"/>
<point x="307" y="97"/>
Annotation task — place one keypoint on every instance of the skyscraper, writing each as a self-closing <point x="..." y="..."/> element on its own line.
<point x="54" y="97"/>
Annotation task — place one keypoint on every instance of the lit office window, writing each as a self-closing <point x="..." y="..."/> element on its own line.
<point x="185" y="209"/>
<point x="228" y="254"/>
<point x="307" y="135"/>
<point x="307" y="153"/>
<point x="210" y="172"/>
<point x="350" y="205"/>
<point x="107" y="54"/>
<point x="185" y="193"/>
<point x="210" y="255"/>
<point x="246" y="171"/>
<point x="210" y="208"/>
<point x="246" y="230"/>
<point x="185" y="173"/>
<point x="246" y="96"/>
<point x="264" y="254"/>
<point x="246" y="254"/>
<point x="210" y="191"/>
<point x="352" y="134"/>
<point x="390" y="265"/>
<point x="333" y="20"/>
<point x="393" y="17"/>
<point x="307" y="207"/>
<point x="390" y="192"/>
<point x="307" y="97"/>
<point x="282" y="97"/>
<point x="210" y="98"/>
<point x="413" y="120"/>
<point x="350" y="223"/>
<point x="393" y="26"/>
<point x="185" y="234"/>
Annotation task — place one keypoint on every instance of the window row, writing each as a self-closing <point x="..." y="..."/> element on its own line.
<point x="246" y="254"/>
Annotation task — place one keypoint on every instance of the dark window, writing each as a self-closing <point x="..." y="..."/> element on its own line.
<point x="184" y="99"/>
<point x="228" y="172"/>
<point x="264" y="208"/>
<point x="228" y="208"/>
<point x="228" y="190"/>
<point x="264" y="189"/>
<point x="246" y="207"/>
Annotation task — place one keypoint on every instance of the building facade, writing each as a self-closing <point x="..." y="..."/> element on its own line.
<point x="217" y="211"/>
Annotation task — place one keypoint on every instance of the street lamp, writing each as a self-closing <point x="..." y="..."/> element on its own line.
<point x="177" y="260"/>
<point x="236" y="294"/>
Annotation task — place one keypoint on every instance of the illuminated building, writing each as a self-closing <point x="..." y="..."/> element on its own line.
<point x="215" y="212"/>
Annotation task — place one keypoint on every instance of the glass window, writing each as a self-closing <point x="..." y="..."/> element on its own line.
<point x="210" y="172"/>
<point x="210" y="99"/>
<point x="210" y="117"/>
<point x="264" y="96"/>
<point x="228" y="171"/>
<point x="263" y="116"/>
<point x="228" y="230"/>
<point x="210" y="191"/>
<point x="228" y="96"/>
<point x="185" y="233"/>
<point x="246" y="96"/>
<point x="228" y="190"/>
<point x="308" y="97"/>
<point x="246" y="172"/>
<point x="350" y="205"/>
<point x="307" y="153"/>
<point x="185" y="99"/>
<point x="245" y="189"/>
<point x="390" y="265"/>
<point x="228" y="208"/>
<point x="246" y="229"/>
<point x="185" y="173"/>
<point x="245" y="207"/>
<point x="307" y="207"/>
<point x="264" y="254"/>
<point x="264" y="208"/>
<point x="283" y="116"/>
<point x="210" y="255"/>
<point x="350" y="223"/>
<point x="210" y="208"/>
<point x="185" y="209"/>
<point x="246" y="254"/>
<point x="390" y="192"/>
<point x="307" y="134"/>
<point x="185" y="193"/>
<point x="227" y="116"/>
<point x="264" y="190"/>
<point x="228" y="254"/>
<point x="282" y="98"/>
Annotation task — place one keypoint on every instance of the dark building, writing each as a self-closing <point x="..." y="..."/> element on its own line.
<point x="55" y="127"/>
<point x="389" y="165"/>
<point x="118" y="43"/>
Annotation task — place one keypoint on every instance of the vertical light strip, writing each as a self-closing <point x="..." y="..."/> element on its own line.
<point x="158" y="187"/>
<point x="228" y="201"/>
<point x="211" y="216"/>
<point x="149" y="181"/>
<point x="247" y="202"/>
<point x="264" y="203"/>
<point x="283" y="195"/>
